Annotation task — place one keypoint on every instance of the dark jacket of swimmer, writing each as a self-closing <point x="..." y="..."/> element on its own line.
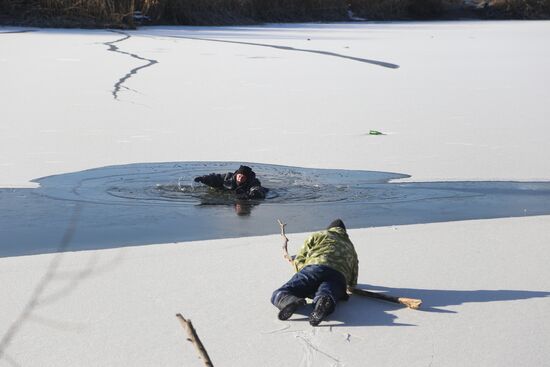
<point x="243" y="182"/>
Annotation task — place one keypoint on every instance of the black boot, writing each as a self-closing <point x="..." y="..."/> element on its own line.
<point x="288" y="306"/>
<point x="323" y="307"/>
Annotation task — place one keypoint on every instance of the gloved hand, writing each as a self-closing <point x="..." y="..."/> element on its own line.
<point x="256" y="193"/>
<point x="198" y="179"/>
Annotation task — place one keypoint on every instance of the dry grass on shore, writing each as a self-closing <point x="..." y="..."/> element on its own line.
<point x="119" y="13"/>
<point x="85" y="13"/>
<point x="400" y="9"/>
<point x="521" y="9"/>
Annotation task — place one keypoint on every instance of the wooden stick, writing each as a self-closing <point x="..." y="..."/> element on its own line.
<point x="194" y="338"/>
<point x="409" y="302"/>
<point x="286" y="256"/>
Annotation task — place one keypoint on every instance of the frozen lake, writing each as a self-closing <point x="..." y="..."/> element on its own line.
<point x="75" y="100"/>
<point x="101" y="132"/>
<point x="457" y="100"/>
<point x="452" y="102"/>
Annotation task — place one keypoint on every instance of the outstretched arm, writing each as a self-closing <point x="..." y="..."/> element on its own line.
<point x="213" y="180"/>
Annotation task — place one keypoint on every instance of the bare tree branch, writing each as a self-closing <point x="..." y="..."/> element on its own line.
<point x="286" y="256"/>
<point x="194" y="338"/>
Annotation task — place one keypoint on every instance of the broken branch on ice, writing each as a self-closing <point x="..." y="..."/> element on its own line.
<point x="194" y="338"/>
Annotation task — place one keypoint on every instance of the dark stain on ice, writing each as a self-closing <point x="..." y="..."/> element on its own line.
<point x="146" y="203"/>
<point x="113" y="48"/>
<point x="288" y="48"/>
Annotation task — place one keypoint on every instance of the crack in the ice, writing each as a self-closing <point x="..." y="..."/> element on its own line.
<point x="309" y="348"/>
<point x="277" y="331"/>
<point x="288" y="48"/>
<point x="113" y="48"/>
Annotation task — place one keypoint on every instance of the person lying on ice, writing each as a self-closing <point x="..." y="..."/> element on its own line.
<point x="326" y="265"/>
<point x="242" y="182"/>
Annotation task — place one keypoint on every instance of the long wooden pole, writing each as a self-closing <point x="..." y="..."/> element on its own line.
<point x="409" y="302"/>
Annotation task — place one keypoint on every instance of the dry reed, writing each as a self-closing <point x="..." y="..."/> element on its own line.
<point x="119" y="13"/>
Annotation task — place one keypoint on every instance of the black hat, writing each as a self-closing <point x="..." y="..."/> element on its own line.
<point x="245" y="170"/>
<point x="337" y="223"/>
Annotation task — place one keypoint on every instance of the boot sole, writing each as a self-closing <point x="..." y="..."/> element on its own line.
<point x="289" y="310"/>
<point x="320" y="312"/>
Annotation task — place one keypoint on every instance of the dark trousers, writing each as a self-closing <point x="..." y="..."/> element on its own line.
<point x="313" y="281"/>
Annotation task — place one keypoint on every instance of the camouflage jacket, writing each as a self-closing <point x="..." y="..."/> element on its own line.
<point x="333" y="248"/>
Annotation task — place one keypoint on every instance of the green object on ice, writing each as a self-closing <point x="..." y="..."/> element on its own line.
<point x="374" y="132"/>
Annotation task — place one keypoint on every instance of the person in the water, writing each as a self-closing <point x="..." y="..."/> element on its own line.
<point x="242" y="182"/>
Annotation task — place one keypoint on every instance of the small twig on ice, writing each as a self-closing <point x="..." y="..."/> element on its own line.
<point x="194" y="338"/>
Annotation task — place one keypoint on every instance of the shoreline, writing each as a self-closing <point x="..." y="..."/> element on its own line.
<point x="252" y="14"/>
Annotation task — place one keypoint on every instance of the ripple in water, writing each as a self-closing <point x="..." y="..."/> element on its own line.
<point x="172" y="183"/>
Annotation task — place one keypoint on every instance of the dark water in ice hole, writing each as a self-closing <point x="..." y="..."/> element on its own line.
<point x="147" y="203"/>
